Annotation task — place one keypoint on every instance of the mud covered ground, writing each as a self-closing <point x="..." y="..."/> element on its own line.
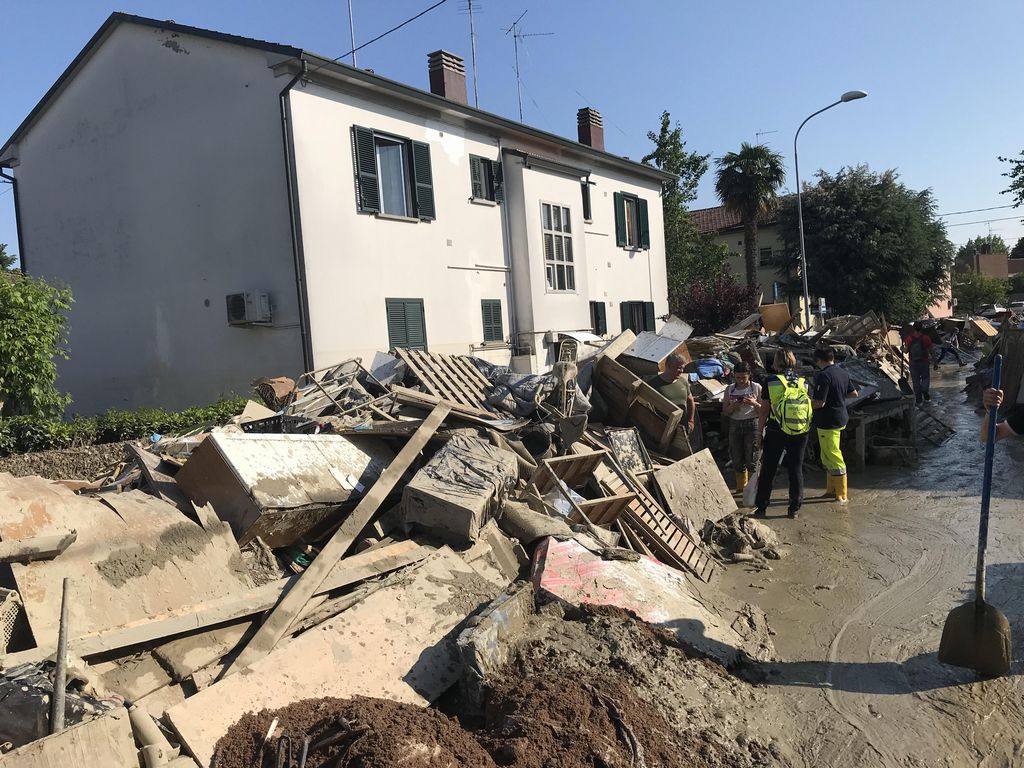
<point x="858" y="608"/>
<point x="65" y="463"/>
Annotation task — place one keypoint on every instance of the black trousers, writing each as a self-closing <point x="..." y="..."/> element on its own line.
<point x="775" y="443"/>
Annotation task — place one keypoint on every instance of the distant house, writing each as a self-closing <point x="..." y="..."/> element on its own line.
<point x="728" y="231"/>
<point x="225" y="208"/>
<point x="984" y="263"/>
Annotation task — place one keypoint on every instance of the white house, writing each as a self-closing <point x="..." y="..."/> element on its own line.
<point x="225" y="208"/>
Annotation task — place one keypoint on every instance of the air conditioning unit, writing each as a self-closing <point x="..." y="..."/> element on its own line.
<point x="248" y="308"/>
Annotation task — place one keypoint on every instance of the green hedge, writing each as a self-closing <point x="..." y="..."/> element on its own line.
<point x="21" y="434"/>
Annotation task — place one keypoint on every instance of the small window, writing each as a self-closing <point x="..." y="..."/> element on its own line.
<point x="588" y="214"/>
<point x="491" y="311"/>
<point x="598" y="318"/>
<point x="559" y="263"/>
<point x="486" y="180"/>
<point x="766" y="257"/>
<point x="407" y="326"/>
<point x="637" y="316"/>
<point x="632" y="228"/>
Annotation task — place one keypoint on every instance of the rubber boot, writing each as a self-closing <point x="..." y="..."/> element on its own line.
<point x="842" y="489"/>
<point x="741" y="481"/>
<point x="830" y="487"/>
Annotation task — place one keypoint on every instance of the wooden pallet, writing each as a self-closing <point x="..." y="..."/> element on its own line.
<point x="573" y="471"/>
<point x="932" y="429"/>
<point x="449" y="377"/>
<point x="649" y="525"/>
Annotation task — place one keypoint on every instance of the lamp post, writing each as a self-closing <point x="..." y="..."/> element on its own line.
<point x="848" y="96"/>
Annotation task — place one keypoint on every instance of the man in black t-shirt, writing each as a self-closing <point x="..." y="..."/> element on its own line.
<point x="1013" y="426"/>
<point x="831" y="387"/>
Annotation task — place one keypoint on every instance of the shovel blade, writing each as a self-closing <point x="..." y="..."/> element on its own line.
<point x="978" y="638"/>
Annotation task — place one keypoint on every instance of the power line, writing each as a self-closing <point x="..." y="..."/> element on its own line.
<point x="975" y="210"/>
<point x="382" y="35"/>
<point x="982" y="221"/>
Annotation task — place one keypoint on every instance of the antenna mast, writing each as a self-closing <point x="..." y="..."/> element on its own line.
<point x="352" y="32"/>
<point x="472" y="48"/>
<point x="518" y="35"/>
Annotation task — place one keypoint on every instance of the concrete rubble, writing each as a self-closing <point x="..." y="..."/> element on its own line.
<point x="382" y="533"/>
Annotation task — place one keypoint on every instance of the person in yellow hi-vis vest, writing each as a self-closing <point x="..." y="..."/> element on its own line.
<point x="785" y="420"/>
<point x="832" y="387"/>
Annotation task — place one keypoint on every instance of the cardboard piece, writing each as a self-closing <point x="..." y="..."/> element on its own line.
<point x="774" y="317"/>
<point x="280" y="487"/>
<point x="396" y="644"/>
<point x="459" y="489"/>
<point x="106" y="741"/>
<point x="694" y="489"/>
<point x="660" y="595"/>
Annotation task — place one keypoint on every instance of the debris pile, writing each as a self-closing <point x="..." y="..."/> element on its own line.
<point x="344" y="553"/>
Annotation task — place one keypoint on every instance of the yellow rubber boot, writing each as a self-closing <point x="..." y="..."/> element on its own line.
<point x="842" y="489"/>
<point x="741" y="481"/>
<point x="830" y="487"/>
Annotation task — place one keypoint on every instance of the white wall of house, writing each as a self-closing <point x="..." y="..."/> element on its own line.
<point x="767" y="274"/>
<point x="355" y="260"/>
<point x="154" y="185"/>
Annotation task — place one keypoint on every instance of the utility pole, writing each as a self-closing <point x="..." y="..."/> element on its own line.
<point x="518" y="35"/>
<point x="352" y="33"/>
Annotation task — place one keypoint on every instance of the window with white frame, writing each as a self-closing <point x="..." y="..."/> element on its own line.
<point x="629" y="211"/>
<point x="559" y="267"/>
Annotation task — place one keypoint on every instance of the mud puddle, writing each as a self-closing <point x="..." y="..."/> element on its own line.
<point x="858" y="609"/>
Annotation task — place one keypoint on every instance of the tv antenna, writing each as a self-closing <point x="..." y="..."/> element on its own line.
<point x="352" y="32"/>
<point x="759" y="134"/>
<point x="469" y="7"/>
<point x="517" y="34"/>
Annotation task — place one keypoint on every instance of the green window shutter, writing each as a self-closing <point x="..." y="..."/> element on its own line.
<point x="491" y="310"/>
<point x="585" y="190"/>
<point x="625" y="315"/>
<point x="365" y="160"/>
<point x="476" y="176"/>
<point x="645" y="227"/>
<point x="598" y="318"/>
<point x="423" y="181"/>
<point x="406" y="324"/>
<point x="648" y="315"/>
<point x="620" y="220"/>
<point x="497" y="182"/>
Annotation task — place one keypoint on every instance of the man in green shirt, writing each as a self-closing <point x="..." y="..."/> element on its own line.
<point x="674" y="386"/>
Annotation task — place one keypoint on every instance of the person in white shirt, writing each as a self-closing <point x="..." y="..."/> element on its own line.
<point x="740" y="407"/>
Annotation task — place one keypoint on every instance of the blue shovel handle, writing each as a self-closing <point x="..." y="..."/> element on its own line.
<point x="986" y="486"/>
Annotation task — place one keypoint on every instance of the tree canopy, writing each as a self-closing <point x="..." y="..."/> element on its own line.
<point x="872" y="243"/>
<point x="972" y="289"/>
<point x="982" y="244"/>
<point x="747" y="183"/>
<point x="7" y="260"/>
<point x="1017" y="252"/>
<point x="1016" y="177"/>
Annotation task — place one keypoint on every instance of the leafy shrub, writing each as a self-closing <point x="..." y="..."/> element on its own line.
<point x="21" y="434"/>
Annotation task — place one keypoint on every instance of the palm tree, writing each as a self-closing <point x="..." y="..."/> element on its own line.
<point x="746" y="183"/>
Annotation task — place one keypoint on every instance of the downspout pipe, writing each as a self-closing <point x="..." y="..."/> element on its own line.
<point x="295" y="219"/>
<point x="513" y="323"/>
<point x="17" y="218"/>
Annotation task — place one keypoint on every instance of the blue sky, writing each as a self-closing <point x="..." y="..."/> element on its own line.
<point x="942" y="76"/>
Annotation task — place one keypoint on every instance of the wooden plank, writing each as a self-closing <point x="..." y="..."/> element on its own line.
<point x="456" y="381"/>
<point x="424" y="400"/>
<point x="605" y="510"/>
<point x="284" y="613"/>
<point x="106" y="741"/>
<point x="425" y="376"/>
<point x="397" y="644"/>
<point x="228" y="608"/>
<point x="36" y="547"/>
<point x="473" y="374"/>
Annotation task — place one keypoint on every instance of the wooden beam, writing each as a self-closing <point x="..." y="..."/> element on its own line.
<point x="293" y="601"/>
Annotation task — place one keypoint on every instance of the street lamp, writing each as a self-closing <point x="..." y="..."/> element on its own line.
<point x="848" y="96"/>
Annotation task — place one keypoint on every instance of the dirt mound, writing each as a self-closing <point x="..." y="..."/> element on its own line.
<point x="64" y="463"/>
<point x="550" y="721"/>
<point x="358" y="732"/>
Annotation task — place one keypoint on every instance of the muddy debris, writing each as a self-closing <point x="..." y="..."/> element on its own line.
<point x="65" y="463"/>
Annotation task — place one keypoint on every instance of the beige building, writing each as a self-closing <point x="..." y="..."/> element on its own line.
<point x="225" y="208"/>
<point x="728" y="231"/>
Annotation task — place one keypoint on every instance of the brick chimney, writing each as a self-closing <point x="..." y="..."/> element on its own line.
<point x="590" y="127"/>
<point x="447" y="76"/>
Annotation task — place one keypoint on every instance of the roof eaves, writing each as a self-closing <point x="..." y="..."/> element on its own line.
<point x="320" y="63"/>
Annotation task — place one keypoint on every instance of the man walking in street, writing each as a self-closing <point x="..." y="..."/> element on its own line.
<point x="832" y="386"/>
<point x="741" y="407"/>
<point x="785" y="419"/>
<point x="919" y="347"/>
<point x="950" y="345"/>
